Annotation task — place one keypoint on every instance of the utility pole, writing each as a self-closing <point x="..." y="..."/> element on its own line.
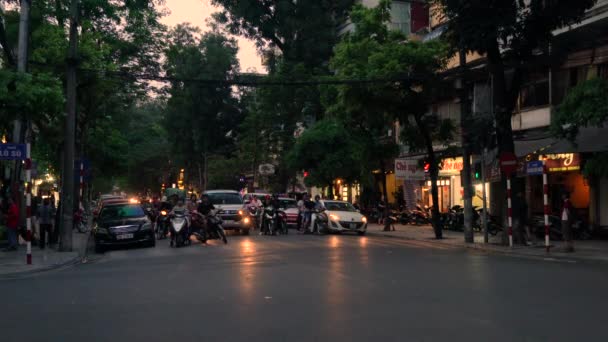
<point x="18" y="124"/>
<point x="22" y="49"/>
<point x="466" y="153"/>
<point x="67" y="190"/>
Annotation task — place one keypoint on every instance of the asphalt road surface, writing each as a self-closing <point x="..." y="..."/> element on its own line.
<point x="308" y="288"/>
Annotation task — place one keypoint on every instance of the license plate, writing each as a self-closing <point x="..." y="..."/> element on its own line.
<point x="124" y="236"/>
<point x="353" y="226"/>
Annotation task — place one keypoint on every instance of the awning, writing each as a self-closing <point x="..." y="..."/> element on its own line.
<point x="589" y="140"/>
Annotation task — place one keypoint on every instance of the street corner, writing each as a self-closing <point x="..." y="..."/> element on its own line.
<point x="14" y="264"/>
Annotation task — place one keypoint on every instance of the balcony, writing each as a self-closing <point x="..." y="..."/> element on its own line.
<point x="531" y="118"/>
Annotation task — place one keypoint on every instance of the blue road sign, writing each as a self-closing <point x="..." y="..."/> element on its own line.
<point x="12" y="151"/>
<point x="535" y="168"/>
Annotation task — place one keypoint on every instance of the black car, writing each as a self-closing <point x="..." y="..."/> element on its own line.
<point x="122" y="224"/>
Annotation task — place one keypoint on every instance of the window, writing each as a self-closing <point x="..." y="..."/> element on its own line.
<point x="225" y="198"/>
<point x="535" y="92"/>
<point x="602" y="71"/>
<point x="400" y="16"/>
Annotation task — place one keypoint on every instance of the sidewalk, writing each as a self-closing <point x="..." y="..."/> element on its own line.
<point x="14" y="263"/>
<point x="590" y="250"/>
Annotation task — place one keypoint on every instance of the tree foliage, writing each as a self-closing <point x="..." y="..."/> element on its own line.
<point x="373" y="51"/>
<point x="510" y="34"/>
<point x="327" y="151"/>
<point x="586" y="105"/>
<point x="200" y="117"/>
<point x="303" y="31"/>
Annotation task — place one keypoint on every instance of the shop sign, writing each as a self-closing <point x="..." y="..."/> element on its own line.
<point x="562" y="162"/>
<point x="535" y="168"/>
<point x="494" y="174"/>
<point x="408" y="169"/>
<point x="451" y="166"/>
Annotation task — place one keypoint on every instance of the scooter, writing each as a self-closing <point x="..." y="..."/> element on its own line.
<point x="319" y="222"/>
<point x="274" y="222"/>
<point x="162" y="225"/>
<point x="180" y="232"/>
<point x="256" y="215"/>
<point x="213" y="229"/>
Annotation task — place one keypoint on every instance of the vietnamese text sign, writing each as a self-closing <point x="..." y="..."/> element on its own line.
<point x="562" y="162"/>
<point x="408" y="169"/>
<point x="451" y="166"/>
<point x="535" y="168"/>
<point x="12" y="151"/>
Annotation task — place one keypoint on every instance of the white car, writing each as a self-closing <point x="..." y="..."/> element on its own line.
<point x="232" y="213"/>
<point x="343" y="217"/>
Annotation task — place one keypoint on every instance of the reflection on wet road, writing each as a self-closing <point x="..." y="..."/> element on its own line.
<point x="308" y="288"/>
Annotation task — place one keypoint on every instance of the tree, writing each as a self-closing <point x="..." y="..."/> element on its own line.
<point x="510" y="34"/>
<point x="373" y="51"/>
<point x="296" y="39"/>
<point x="328" y="151"/>
<point x="586" y="105"/>
<point x="200" y="116"/>
<point x="303" y="31"/>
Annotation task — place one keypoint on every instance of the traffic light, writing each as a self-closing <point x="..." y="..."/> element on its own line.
<point x="305" y="174"/>
<point x="477" y="170"/>
<point x="427" y="167"/>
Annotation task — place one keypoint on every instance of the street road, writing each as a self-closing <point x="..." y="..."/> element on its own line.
<point x="308" y="288"/>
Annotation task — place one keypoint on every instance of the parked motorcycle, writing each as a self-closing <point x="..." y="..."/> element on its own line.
<point x="580" y="230"/>
<point x="212" y="230"/>
<point x="180" y="232"/>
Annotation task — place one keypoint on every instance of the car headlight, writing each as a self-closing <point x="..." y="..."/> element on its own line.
<point x="146" y="226"/>
<point x="246" y="220"/>
<point x="241" y="212"/>
<point x="334" y="217"/>
<point x="364" y="219"/>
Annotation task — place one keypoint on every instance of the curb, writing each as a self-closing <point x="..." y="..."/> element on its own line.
<point x="510" y="253"/>
<point x="23" y="274"/>
<point x="80" y="258"/>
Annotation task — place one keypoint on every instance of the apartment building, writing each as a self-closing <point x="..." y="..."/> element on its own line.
<point x="586" y="57"/>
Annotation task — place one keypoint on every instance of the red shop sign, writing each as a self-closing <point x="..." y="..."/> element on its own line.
<point x="562" y="162"/>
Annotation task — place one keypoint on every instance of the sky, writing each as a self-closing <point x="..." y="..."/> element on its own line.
<point x="196" y="12"/>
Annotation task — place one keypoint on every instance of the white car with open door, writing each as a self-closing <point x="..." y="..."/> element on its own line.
<point x="343" y="217"/>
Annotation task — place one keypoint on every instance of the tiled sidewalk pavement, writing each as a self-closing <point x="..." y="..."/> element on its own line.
<point x="591" y="250"/>
<point x="14" y="263"/>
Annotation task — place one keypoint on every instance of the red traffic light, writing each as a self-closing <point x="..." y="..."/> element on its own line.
<point x="427" y="166"/>
<point x="305" y="174"/>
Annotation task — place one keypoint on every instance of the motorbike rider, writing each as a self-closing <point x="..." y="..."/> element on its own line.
<point x="181" y="209"/>
<point x="205" y="206"/>
<point x="256" y="205"/>
<point x="309" y="207"/>
<point x="318" y="207"/>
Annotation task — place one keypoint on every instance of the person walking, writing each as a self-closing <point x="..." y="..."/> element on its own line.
<point x="46" y="216"/>
<point x="12" y="224"/>
<point x="566" y="216"/>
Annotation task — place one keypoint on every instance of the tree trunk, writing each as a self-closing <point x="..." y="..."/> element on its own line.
<point x="387" y="223"/>
<point x="434" y="172"/>
<point x="465" y="114"/>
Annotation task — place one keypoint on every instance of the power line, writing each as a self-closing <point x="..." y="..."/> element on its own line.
<point x="244" y="80"/>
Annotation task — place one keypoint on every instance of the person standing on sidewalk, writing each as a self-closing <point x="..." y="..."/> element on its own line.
<point x="12" y="224"/>
<point x="46" y="217"/>
<point x="520" y="211"/>
<point x="567" y="222"/>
